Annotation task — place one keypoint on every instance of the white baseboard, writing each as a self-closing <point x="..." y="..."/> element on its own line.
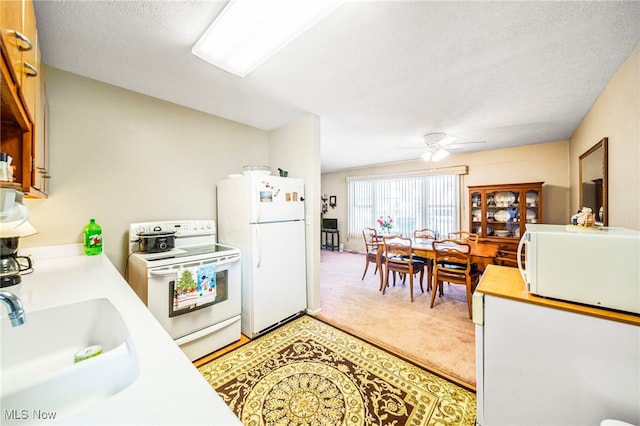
<point x="313" y="312"/>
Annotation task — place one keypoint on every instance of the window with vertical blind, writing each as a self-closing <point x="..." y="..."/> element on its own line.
<point x="413" y="201"/>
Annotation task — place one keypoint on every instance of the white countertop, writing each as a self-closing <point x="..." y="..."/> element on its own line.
<point x="169" y="390"/>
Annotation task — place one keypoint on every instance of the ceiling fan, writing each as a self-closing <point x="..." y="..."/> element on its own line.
<point x="435" y="143"/>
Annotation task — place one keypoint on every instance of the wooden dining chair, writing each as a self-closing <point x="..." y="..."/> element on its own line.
<point x="508" y="257"/>
<point x="428" y="235"/>
<point x="398" y="257"/>
<point x="372" y="244"/>
<point x="453" y="265"/>
<point x="463" y="236"/>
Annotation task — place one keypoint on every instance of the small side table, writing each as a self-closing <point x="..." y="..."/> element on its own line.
<point x="330" y="239"/>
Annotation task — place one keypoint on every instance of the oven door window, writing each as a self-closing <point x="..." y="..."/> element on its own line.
<point x="197" y="287"/>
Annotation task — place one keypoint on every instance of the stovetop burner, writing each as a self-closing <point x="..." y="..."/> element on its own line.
<point x="182" y="252"/>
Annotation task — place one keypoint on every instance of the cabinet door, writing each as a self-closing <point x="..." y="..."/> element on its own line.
<point x="503" y="214"/>
<point x="29" y="78"/>
<point x="531" y="206"/>
<point x="10" y="22"/>
<point x="40" y="173"/>
<point x="476" y="201"/>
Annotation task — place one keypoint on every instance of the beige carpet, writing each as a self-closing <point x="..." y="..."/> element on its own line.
<point x="309" y="373"/>
<point x="441" y="339"/>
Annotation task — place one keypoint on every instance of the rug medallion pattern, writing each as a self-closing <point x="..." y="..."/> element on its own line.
<point x="309" y="373"/>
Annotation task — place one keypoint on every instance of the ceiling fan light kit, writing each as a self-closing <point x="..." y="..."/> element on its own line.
<point x="435" y="154"/>
<point x="435" y="144"/>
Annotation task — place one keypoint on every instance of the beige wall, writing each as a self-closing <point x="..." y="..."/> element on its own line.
<point x="615" y="115"/>
<point x="121" y="157"/>
<point x="547" y="162"/>
<point x="296" y="149"/>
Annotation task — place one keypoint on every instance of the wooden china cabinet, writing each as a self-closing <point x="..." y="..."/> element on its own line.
<point x="499" y="213"/>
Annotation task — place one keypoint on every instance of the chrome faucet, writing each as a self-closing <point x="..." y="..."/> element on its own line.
<point x="14" y="305"/>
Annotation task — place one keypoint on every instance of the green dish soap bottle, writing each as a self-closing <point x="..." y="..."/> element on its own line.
<point x="92" y="238"/>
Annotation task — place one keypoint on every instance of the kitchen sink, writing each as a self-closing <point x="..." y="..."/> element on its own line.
<point x="41" y="380"/>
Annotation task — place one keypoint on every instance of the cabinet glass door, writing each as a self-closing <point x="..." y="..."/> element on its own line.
<point x="503" y="213"/>
<point x="476" y="213"/>
<point x="531" y="204"/>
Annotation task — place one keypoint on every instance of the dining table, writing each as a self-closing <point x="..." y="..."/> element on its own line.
<point x="482" y="253"/>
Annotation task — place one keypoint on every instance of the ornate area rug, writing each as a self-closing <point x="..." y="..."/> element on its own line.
<point x="309" y="373"/>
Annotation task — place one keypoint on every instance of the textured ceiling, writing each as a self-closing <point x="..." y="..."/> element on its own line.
<point x="380" y="74"/>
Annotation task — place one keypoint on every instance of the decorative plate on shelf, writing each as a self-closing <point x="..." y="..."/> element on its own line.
<point x="504" y="199"/>
<point x="502" y="216"/>
<point x="532" y="214"/>
<point x="532" y="198"/>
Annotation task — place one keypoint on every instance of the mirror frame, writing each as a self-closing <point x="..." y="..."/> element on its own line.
<point x="604" y="144"/>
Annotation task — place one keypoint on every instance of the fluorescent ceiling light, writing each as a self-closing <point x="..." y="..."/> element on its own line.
<point x="248" y="32"/>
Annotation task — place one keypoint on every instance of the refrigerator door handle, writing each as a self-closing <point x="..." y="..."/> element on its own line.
<point x="258" y="209"/>
<point x="258" y="247"/>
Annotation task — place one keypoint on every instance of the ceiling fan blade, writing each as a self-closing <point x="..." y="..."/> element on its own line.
<point x="446" y="141"/>
<point x="461" y="144"/>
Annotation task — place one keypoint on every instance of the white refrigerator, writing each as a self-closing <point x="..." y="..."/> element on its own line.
<point x="263" y="216"/>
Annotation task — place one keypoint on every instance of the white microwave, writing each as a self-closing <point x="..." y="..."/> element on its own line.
<point x="599" y="267"/>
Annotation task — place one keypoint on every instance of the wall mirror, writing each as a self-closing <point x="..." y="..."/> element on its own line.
<point x="593" y="181"/>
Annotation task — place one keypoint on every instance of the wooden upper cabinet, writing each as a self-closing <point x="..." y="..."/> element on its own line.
<point x="23" y="107"/>
<point x="18" y="37"/>
<point x="10" y="22"/>
<point x="29" y="70"/>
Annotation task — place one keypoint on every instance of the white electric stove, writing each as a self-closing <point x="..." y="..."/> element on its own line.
<point x="193" y="289"/>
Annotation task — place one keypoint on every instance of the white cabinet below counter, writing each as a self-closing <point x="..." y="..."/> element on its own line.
<point x="168" y="390"/>
<point x="545" y="362"/>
